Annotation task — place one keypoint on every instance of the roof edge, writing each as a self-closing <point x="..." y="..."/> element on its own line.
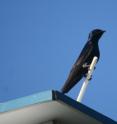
<point x="83" y="108"/>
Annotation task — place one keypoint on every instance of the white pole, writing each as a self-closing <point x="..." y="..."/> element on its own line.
<point x="86" y="82"/>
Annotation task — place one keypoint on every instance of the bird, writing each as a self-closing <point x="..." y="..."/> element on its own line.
<point x="82" y="64"/>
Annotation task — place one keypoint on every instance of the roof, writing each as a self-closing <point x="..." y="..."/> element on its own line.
<point x="49" y="105"/>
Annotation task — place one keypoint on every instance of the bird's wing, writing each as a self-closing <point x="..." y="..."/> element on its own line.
<point x="76" y="72"/>
<point x="81" y="59"/>
<point x="88" y="48"/>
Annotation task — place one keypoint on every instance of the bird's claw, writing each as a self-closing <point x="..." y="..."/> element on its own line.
<point x="85" y="65"/>
<point x="86" y="76"/>
<point x="90" y="78"/>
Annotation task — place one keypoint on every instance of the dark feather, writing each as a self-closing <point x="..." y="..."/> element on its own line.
<point x="90" y="50"/>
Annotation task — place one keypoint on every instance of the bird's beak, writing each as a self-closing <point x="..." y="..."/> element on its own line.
<point x="104" y="31"/>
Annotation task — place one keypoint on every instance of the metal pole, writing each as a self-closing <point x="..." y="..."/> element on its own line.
<point x="86" y="82"/>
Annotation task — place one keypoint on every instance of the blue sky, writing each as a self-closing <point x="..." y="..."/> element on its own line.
<point x="41" y="39"/>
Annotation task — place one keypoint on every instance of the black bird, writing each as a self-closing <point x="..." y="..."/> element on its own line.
<point x="80" y="68"/>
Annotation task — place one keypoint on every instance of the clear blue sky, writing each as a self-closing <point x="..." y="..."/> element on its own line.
<point x="41" y="39"/>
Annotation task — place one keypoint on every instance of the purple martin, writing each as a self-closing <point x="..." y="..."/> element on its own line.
<point x="80" y="67"/>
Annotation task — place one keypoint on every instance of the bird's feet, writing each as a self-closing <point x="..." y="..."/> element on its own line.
<point x="90" y="78"/>
<point x="87" y="75"/>
<point x="85" y="65"/>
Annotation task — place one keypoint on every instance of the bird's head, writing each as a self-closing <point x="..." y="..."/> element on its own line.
<point x="96" y="34"/>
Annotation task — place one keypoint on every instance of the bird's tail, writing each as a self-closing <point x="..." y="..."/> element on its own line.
<point x="69" y="84"/>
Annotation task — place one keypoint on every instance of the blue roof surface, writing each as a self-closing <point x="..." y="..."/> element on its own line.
<point x="26" y="101"/>
<point x="51" y="96"/>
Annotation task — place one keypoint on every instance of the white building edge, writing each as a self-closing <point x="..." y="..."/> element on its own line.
<point x="49" y="107"/>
